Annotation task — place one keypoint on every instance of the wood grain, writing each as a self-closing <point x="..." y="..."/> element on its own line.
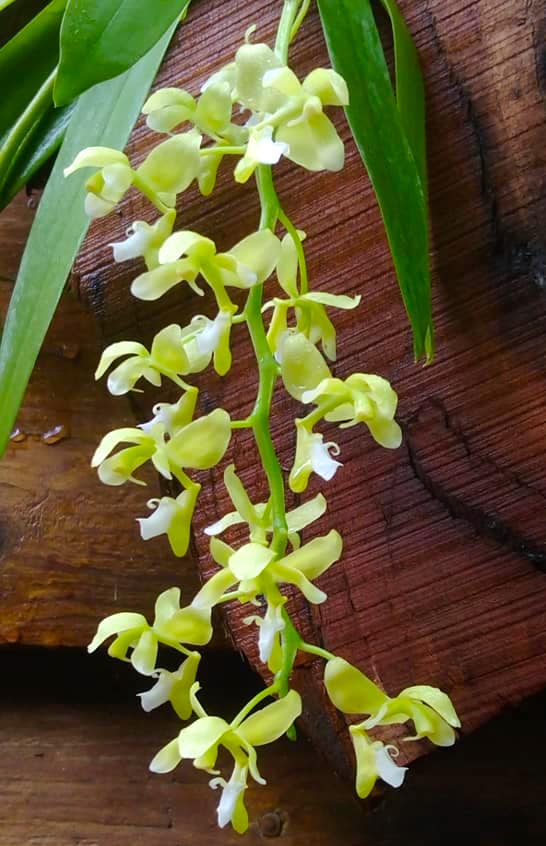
<point x="74" y="747"/>
<point x="69" y="547"/>
<point x="74" y="766"/>
<point x="442" y="578"/>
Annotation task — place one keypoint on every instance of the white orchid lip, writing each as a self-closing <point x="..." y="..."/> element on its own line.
<point x="231" y="791"/>
<point x="264" y="149"/>
<point x="321" y="460"/>
<point x="136" y="243"/>
<point x="160" y="693"/>
<point x="388" y="771"/>
<point x="160" y="521"/>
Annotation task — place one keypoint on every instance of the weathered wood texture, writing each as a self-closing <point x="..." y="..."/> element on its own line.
<point x="75" y="757"/>
<point x="74" y="747"/>
<point x="443" y="577"/>
<point x="69" y="548"/>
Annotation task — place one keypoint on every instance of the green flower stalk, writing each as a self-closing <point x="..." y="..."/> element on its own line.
<point x="286" y="118"/>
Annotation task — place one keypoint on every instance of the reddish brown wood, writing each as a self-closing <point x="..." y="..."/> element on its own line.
<point x="442" y="579"/>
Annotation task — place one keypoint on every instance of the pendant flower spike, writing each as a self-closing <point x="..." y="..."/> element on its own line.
<point x="294" y="338"/>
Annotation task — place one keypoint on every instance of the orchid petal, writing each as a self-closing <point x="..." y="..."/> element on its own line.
<point x="195" y="740"/>
<point x="123" y="621"/>
<point x="350" y="690"/>
<point x="271" y="722"/>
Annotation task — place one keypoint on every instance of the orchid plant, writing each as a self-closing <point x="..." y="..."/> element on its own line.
<point x="294" y="340"/>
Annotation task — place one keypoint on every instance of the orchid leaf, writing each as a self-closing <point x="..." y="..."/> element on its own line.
<point x="26" y="61"/>
<point x="103" y="116"/>
<point x="410" y="89"/>
<point x="389" y="131"/>
<point x="103" y="38"/>
<point x="38" y="146"/>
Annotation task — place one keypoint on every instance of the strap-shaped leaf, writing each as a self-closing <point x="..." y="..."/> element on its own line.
<point x="103" y="38"/>
<point x="103" y="116"/>
<point x="26" y="61"/>
<point x="38" y="146"/>
<point x="410" y="90"/>
<point x="5" y="3"/>
<point x="391" y="139"/>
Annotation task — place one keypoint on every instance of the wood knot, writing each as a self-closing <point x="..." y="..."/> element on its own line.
<point x="272" y="824"/>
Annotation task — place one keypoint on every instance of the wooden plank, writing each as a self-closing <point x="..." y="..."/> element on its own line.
<point x="74" y="747"/>
<point x="442" y="578"/>
<point x="74" y="768"/>
<point x="69" y="548"/>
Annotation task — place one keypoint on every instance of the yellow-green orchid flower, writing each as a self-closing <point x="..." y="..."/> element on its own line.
<point x="427" y="707"/>
<point x="171" y="440"/>
<point x="294" y="109"/>
<point x="173" y="687"/>
<point x="167" y="170"/>
<point x="176" y="351"/>
<point x="186" y="255"/>
<point x="310" y="307"/>
<point x="258" y="570"/>
<point x="172" y="626"/>
<point x="202" y="740"/>
<point x="259" y="517"/>
<point x="313" y="455"/>
<point x="171" y="517"/>
<point x="144" y="240"/>
<point x="108" y="185"/>
<point x="361" y="398"/>
<point x="167" y="108"/>
<point x="166" y="357"/>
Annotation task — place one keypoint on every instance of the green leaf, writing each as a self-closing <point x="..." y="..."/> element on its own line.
<point x="24" y="127"/>
<point x="103" y="116"/>
<point x="38" y="146"/>
<point x="26" y="61"/>
<point x="103" y="38"/>
<point x="5" y="3"/>
<point x="390" y="136"/>
<point x="410" y="89"/>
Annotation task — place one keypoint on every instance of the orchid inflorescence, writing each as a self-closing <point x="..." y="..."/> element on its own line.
<point x="286" y="119"/>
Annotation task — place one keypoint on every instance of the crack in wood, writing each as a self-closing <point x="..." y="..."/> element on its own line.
<point x="517" y="253"/>
<point x="486" y="523"/>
